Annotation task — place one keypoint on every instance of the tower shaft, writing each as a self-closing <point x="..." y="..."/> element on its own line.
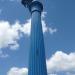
<point x="37" y="60"/>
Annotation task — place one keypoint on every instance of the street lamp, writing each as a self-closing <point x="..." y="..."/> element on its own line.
<point x="37" y="60"/>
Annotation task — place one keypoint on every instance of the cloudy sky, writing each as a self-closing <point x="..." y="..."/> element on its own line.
<point x="58" y="23"/>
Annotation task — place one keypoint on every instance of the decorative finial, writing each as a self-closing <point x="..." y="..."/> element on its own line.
<point x="26" y="3"/>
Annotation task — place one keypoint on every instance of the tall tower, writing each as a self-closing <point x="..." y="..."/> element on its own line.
<point x="37" y="60"/>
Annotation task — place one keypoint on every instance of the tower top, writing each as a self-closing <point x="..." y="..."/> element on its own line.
<point x="33" y="5"/>
<point x="26" y="2"/>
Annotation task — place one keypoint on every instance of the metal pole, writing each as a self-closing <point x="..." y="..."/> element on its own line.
<point x="37" y="60"/>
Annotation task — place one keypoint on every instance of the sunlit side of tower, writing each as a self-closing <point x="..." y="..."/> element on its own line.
<point x="37" y="60"/>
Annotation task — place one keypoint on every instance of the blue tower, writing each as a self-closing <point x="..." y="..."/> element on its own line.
<point x="37" y="60"/>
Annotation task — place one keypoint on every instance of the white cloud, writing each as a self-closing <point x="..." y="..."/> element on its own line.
<point x="18" y="71"/>
<point x="60" y="62"/>
<point x="27" y="26"/>
<point x="13" y="47"/>
<point x="52" y="30"/>
<point x="45" y="26"/>
<point x="9" y="34"/>
<point x="43" y="14"/>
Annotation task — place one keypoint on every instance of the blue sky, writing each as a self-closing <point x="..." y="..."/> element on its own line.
<point x="58" y="21"/>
